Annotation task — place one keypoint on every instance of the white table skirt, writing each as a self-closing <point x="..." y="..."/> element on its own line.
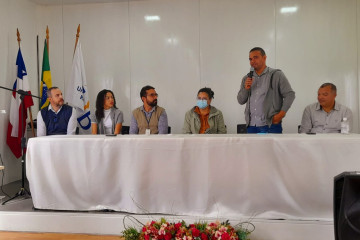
<point x="267" y="176"/>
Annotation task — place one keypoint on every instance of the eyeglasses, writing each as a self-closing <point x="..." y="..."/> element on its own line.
<point x="202" y="99"/>
<point x="153" y="95"/>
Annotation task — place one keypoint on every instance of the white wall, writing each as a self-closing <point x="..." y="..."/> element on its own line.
<point x="317" y="45"/>
<point x="228" y="30"/>
<point x="196" y="43"/>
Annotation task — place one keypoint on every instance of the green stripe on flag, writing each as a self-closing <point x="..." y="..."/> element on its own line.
<point x="45" y="77"/>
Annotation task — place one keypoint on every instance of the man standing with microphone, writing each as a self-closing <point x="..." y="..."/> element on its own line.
<point x="267" y="94"/>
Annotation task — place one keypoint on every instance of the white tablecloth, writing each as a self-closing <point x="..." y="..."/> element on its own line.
<point x="267" y="176"/>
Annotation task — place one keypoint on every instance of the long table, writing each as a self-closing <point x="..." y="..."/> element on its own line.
<point x="287" y="176"/>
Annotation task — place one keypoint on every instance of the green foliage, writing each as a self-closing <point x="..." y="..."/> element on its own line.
<point x="183" y="223"/>
<point x="201" y="226"/>
<point x="131" y="234"/>
<point x="242" y="234"/>
<point x="226" y="223"/>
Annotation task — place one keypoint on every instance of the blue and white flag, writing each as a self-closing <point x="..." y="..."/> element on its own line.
<point x="77" y="92"/>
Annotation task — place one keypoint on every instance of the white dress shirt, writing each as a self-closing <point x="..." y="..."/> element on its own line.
<point x="107" y="122"/>
<point x="41" y="127"/>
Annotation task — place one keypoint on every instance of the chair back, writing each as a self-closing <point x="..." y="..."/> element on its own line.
<point x="125" y="130"/>
<point x="241" y="128"/>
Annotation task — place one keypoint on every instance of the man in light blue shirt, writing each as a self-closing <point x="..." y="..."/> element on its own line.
<point x="326" y="115"/>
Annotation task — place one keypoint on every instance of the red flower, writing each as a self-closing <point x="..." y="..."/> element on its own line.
<point x="225" y="236"/>
<point x="147" y="237"/>
<point x="177" y="226"/>
<point x="168" y="236"/>
<point x="144" y="229"/>
<point x="195" y="232"/>
<point x="204" y="236"/>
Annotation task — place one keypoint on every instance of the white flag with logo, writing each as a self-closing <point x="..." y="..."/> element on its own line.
<point x="77" y="92"/>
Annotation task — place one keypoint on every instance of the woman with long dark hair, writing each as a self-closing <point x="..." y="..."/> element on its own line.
<point x="108" y="118"/>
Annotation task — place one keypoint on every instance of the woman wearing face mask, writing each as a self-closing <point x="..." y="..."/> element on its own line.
<point x="204" y="118"/>
<point x="107" y="119"/>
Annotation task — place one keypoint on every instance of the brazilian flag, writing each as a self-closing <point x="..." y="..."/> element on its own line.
<point x="45" y="83"/>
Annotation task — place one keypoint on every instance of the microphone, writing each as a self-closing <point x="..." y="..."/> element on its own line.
<point x="251" y="73"/>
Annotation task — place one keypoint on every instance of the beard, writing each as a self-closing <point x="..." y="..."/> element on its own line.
<point x="153" y="103"/>
<point x="60" y="103"/>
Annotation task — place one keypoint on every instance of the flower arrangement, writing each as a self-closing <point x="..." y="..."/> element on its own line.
<point x="163" y="230"/>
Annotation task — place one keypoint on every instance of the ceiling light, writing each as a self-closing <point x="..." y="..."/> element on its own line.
<point x="152" y="18"/>
<point x="288" y="9"/>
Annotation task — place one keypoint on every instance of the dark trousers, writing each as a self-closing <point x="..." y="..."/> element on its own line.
<point x="274" y="128"/>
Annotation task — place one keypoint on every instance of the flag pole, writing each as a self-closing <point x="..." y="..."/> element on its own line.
<point x="30" y="114"/>
<point x="38" y="68"/>
<point x="77" y="38"/>
<point x="47" y="38"/>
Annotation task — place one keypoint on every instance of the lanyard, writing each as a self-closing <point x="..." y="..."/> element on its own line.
<point x="148" y="119"/>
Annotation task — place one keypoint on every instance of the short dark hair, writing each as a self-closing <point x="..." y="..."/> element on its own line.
<point x="100" y="99"/>
<point x="332" y="86"/>
<point x="144" y="89"/>
<point x="258" y="49"/>
<point x="48" y="92"/>
<point x="209" y="92"/>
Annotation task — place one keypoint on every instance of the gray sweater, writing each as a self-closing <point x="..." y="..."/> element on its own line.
<point x="279" y="96"/>
<point x="116" y="116"/>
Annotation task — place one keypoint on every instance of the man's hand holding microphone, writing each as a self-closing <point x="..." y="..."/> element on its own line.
<point x="249" y="80"/>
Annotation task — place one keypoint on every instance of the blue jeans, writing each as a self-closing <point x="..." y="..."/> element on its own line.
<point x="274" y="128"/>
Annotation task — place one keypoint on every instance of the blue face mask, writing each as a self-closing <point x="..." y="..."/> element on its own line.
<point x="201" y="104"/>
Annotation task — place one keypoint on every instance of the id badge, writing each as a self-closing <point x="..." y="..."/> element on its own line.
<point x="147" y="131"/>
